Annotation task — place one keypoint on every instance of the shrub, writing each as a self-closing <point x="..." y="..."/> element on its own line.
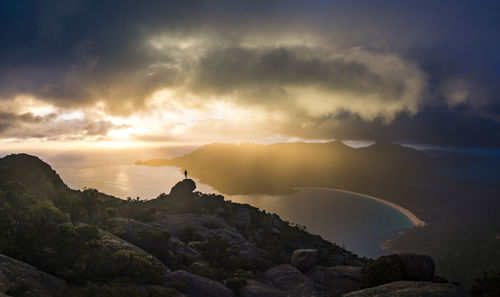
<point x="189" y="233"/>
<point x="235" y="283"/>
<point x="487" y="286"/>
<point x="248" y="274"/>
<point x="177" y="285"/>
<point x="137" y="267"/>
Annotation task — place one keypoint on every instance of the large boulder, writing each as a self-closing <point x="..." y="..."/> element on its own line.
<point x="259" y="289"/>
<point x="198" y="286"/>
<point x="337" y="279"/>
<point x="20" y="279"/>
<point x="208" y="226"/>
<point x="411" y="289"/>
<point x="185" y="186"/>
<point x="304" y="259"/>
<point x="417" y="267"/>
<point x="117" y="244"/>
<point x="398" y="267"/>
<point x="287" y="278"/>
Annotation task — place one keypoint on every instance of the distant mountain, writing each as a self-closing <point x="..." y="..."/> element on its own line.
<point x="280" y="167"/>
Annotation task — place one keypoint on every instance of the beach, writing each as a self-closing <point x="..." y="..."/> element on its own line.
<point x="413" y="218"/>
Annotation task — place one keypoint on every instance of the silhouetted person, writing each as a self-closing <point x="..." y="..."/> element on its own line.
<point x="185" y="173"/>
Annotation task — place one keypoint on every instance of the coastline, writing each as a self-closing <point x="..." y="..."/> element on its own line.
<point x="413" y="218"/>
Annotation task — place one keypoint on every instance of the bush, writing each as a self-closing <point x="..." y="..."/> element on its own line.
<point x="190" y="233"/>
<point x="235" y="283"/>
<point x="487" y="286"/>
<point x="248" y="274"/>
<point x="177" y="285"/>
<point x="138" y="267"/>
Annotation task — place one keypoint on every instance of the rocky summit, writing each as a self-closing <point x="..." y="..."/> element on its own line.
<point x="183" y="187"/>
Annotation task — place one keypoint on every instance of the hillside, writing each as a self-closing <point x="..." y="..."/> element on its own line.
<point x="186" y="243"/>
<point x="280" y="167"/>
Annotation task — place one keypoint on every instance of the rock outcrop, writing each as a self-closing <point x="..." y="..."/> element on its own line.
<point x="411" y="289"/>
<point x="303" y="259"/>
<point x="198" y="286"/>
<point x="337" y="279"/>
<point x="397" y="267"/>
<point x="417" y="267"/>
<point x="186" y="186"/>
<point x="116" y="243"/>
<point x="20" y="279"/>
<point x="259" y="289"/>
<point x="208" y="226"/>
<point x="287" y="278"/>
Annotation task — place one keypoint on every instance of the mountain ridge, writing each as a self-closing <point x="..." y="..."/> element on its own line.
<point x="291" y="165"/>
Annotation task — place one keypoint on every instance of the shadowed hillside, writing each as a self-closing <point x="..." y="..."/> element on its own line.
<point x="278" y="168"/>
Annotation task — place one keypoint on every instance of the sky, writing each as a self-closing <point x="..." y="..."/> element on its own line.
<point x="125" y="73"/>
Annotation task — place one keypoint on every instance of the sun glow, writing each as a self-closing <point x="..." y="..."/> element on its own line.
<point x="119" y="133"/>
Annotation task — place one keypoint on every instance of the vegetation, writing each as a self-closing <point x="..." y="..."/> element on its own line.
<point x="235" y="283"/>
<point x="60" y="231"/>
<point x="487" y="286"/>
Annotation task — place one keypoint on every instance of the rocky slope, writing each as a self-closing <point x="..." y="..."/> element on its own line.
<point x="180" y="244"/>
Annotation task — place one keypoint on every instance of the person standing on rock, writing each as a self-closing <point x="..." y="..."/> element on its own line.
<point x="185" y="173"/>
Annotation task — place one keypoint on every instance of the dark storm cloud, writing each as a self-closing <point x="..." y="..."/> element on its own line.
<point x="455" y="127"/>
<point x="11" y="120"/>
<point x="277" y="68"/>
<point x="28" y="125"/>
<point x="76" y="53"/>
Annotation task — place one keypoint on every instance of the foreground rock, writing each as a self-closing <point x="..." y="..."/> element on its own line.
<point x="397" y="267"/>
<point x="116" y="243"/>
<point x="207" y="226"/>
<point x="417" y="267"/>
<point x="304" y="259"/>
<point x="287" y="278"/>
<point x="411" y="289"/>
<point x="337" y="280"/>
<point x="20" y="279"/>
<point x="258" y="289"/>
<point x="183" y="187"/>
<point x="198" y="286"/>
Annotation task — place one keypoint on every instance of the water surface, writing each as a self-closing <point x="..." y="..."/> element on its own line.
<point x="358" y="223"/>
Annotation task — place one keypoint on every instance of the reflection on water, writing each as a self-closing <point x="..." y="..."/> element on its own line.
<point x="127" y="180"/>
<point x="361" y="224"/>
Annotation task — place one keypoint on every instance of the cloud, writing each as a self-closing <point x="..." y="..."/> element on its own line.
<point x="313" y="81"/>
<point x="322" y="69"/>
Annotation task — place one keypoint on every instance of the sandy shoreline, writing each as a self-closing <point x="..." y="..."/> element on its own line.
<point x="413" y="218"/>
